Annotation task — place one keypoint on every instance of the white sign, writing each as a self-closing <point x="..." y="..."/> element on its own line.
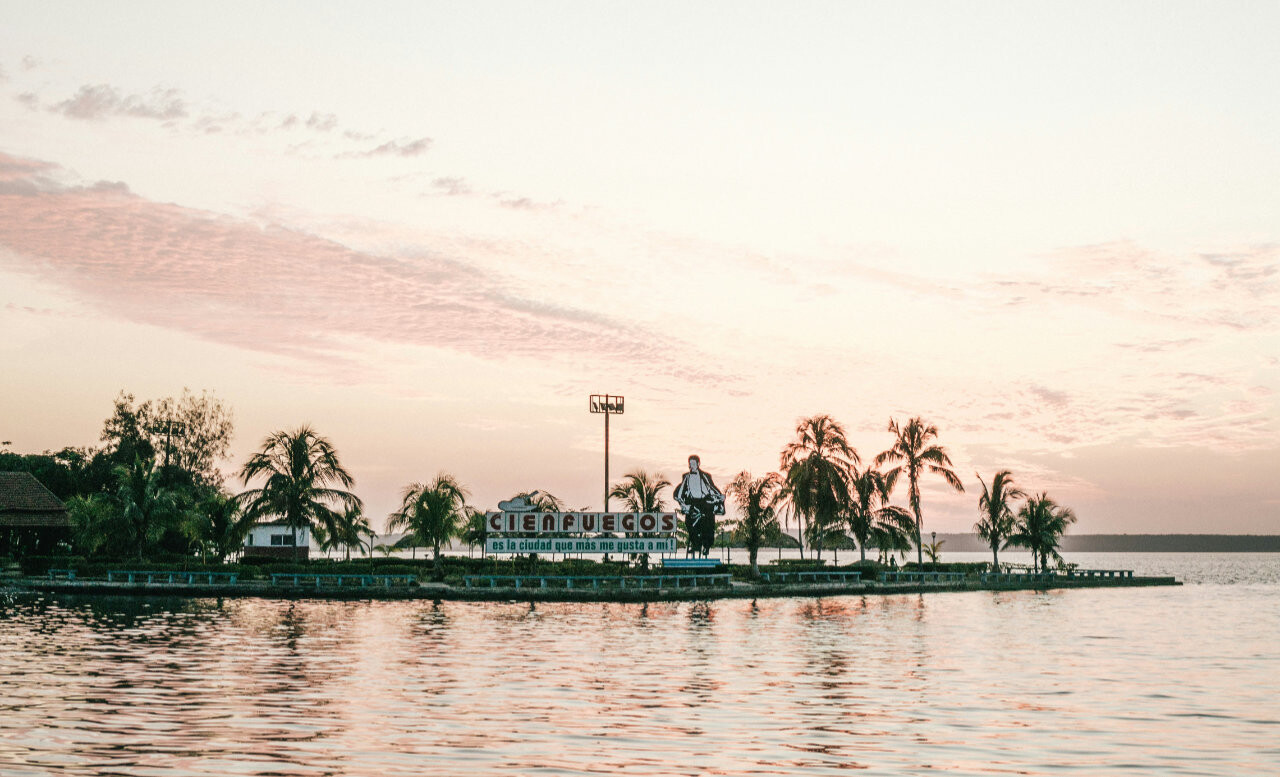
<point x="580" y="523"/>
<point x="580" y="545"/>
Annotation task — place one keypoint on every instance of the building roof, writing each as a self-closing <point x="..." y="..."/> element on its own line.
<point x="24" y="501"/>
<point x="277" y="522"/>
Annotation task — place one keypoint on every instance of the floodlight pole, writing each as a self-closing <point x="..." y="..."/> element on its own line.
<point x="606" y="461"/>
<point x="609" y="405"/>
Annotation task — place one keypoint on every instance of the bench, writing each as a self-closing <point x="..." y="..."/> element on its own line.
<point x="690" y="563"/>
<point x="921" y="577"/>
<point x="339" y="581"/>
<point x="595" y="582"/>
<point x="813" y="576"/>
<point x="62" y="574"/>
<point x="188" y="578"/>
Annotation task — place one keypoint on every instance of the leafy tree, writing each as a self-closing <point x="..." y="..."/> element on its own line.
<point x="641" y="492"/>
<point x="432" y="512"/>
<point x="67" y="473"/>
<point x="756" y="499"/>
<point x="817" y="466"/>
<point x="186" y="435"/>
<point x="869" y="509"/>
<point x="996" y="508"/>
<point x="1040" y="525"/>
<point x="301" y="475"/>
<point x="126" y="431"/>
<point x="915" y="454"/>
<point x="192" y="433"/>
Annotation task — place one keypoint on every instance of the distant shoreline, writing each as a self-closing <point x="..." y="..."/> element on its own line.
<point x="1136" y="543"/>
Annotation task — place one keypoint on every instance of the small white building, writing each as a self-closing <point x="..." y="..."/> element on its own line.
<point x="276" y="540"/>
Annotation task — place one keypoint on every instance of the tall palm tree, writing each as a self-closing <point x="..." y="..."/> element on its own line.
<point x="914" y="453"/>
<point x="996" y="509"/>
<point x="432" y="512"/>
<point x="817" y="466"/>
<point x="869" y="509"/>
<point x="641" y="492"/>
<point x="302" y="475"/>
<point x="1041" y="523"/>
<point x="756" y="498"/>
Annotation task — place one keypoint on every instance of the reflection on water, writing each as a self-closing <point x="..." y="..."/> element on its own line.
<point x="1149" y="681"/>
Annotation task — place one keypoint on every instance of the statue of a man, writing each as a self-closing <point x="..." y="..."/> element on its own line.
<point x="701" y="502"/>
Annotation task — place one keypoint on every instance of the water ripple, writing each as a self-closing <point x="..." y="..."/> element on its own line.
<point x="1150" y="681"/>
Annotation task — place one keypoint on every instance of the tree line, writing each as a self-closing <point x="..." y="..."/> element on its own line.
<point x="153" y="487"/>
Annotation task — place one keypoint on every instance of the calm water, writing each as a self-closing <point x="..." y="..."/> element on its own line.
<point x="1167" y="681"/>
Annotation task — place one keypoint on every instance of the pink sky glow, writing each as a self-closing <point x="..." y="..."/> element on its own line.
<point x="1051" y="232"/>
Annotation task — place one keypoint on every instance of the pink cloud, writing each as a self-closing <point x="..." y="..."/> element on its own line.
<point x="276" y="290"/>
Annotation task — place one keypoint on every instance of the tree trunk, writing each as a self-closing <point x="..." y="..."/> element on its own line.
<point x="995" y="557"/>
<point x="755" y="568"/>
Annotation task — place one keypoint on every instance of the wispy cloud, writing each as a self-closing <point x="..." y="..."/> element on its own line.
<point x="169" y="105"/>
<point x="451" y="186"/>
<point x="271" y="289"/>
<point x="99" y="101"/>
<point x="400" y="148"/>
<point x="1232" y="290"/>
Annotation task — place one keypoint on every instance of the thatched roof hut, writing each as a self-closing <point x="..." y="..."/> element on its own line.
<point x="32" y="520"/>
<point x="24" y="501"/>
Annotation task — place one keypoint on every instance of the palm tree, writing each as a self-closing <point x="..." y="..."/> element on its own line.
<point x="302" y="473"/>
<point x="869" y="509"/>
<point x="475" y="530"/>
<point x="756" y="498"/>
<point x="913" y="450"/>
<point x="226" y="525"/>
<point x="997" y="519"/>
<point x="542" y="501"/>
<point x="1041" y="523"/>
<point x="817" y="466"/>
<point x="890" y="539"/>
<point x="641" y="492"/>
<point x="432" y="512"/>
<point x="145" y="503"/>
<point x="348" y="530"/>
<point x="934" y="550"/>
<point x="97" y="524"/>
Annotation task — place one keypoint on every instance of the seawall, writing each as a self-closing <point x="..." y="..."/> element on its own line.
<point x="439" y="591"/>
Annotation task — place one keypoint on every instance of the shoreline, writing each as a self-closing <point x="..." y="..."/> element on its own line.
<point x="442" y="592"/>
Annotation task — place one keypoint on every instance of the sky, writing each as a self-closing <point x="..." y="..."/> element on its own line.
<point x="432" y="230"/>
